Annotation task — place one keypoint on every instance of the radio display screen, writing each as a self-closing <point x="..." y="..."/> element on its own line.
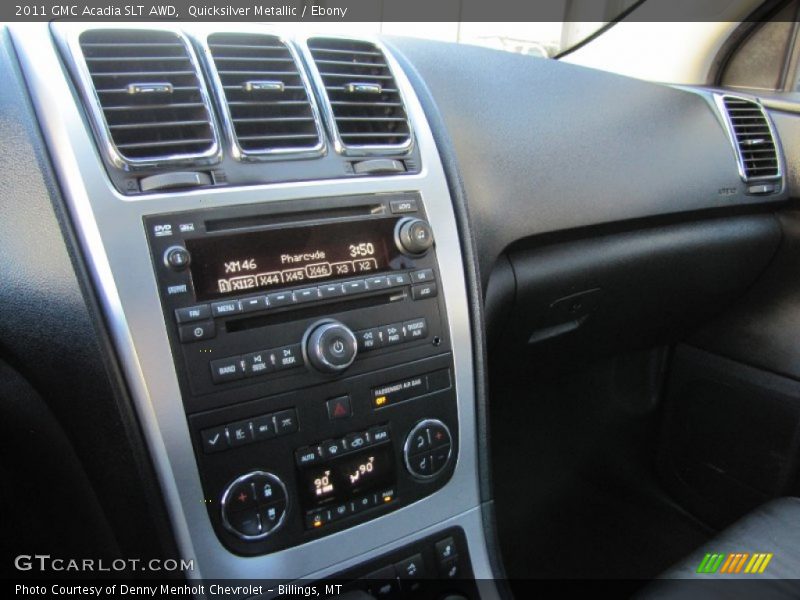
<point x="248" y="262"/>
<point x="347" y="477"/>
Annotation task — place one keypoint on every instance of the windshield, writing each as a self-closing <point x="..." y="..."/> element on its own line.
<point x="544" y="39"/>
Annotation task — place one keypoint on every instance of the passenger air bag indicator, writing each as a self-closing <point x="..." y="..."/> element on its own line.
<point x="412" y="387"/>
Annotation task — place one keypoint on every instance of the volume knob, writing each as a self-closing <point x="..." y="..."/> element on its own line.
<point x="413" y="236"/>
<point x="330" y="346"/>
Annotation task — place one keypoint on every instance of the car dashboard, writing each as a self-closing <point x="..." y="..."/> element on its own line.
<point x="286" y="245"/>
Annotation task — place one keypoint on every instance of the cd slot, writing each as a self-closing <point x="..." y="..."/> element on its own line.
<point x="254" y="221"/>
<point x="323" y="309"/>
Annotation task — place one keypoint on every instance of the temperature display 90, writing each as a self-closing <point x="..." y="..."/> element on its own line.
<point x="347" y="477"/>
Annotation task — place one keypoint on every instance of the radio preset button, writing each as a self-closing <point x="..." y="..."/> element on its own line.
<point x="196" y="332"/>
<point x="254" y="304"/>
<point x="307" y="294"/>
<point x="398" y="279"/>
<point x="227" y="369"/>
<point x="226" y="307"/>
<point x="331" y="290"/>
<point x="380" y="282"/>
<point x="354" y="287"/>
<point x="193" y="313"/>
<point x="424" y="291"/>
<point x="280" y="299"/>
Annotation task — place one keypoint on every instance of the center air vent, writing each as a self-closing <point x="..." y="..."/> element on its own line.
<point x="755" y="144"/>
<point x="366" y="106"/>
<point x="265" y="95"/>
<point x="153" y="104"/>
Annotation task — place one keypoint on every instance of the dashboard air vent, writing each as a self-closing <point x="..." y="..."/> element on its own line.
<point x="754" y="140"/>
<point x="152" y="101"/>
<point x="366" y="106"/>
<point x="266" y="98"/>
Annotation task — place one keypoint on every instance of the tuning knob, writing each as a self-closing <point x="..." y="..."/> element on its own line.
<point x="330" y="346"/>
<point x="413" y="236"/>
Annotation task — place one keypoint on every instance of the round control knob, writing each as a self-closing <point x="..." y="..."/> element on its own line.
<point x="413" y="236"/>
<point x="254" y="505"/>
<point x="177" y="258"/>
<point x="330" y="346"/>
<point x="428" y="448"/>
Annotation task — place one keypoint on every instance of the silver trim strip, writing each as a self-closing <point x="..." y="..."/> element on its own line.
<point x="69" y="36"/>
<point x="237" y="151"/>
<point x="327" y="108"/>
<point x="110" y="230"/>
<point x="719" y="101"/>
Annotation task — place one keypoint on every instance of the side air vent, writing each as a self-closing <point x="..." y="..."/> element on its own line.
<point x="365" y="106"/>
<point x="755" y="144"/>
<point x="265" y="96"/>
<point x="153" y="106"/>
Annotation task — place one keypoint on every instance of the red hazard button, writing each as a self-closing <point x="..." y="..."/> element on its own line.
<point x="339" y="408"/>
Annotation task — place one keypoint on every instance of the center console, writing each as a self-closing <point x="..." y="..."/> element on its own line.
<point x="312" y="349"/>
<point x="293" y="327"/>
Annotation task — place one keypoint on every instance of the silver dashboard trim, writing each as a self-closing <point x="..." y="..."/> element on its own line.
<point x="69" y="34"/>
<point x="111" y="233"/>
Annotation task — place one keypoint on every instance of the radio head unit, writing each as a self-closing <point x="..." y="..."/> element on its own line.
<point x="313" y="354"/>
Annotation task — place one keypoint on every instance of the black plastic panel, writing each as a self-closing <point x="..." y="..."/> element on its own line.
<point x="602" y="295"/>
<point x="545" y="146"/>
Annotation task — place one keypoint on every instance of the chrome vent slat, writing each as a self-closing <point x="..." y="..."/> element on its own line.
<point x="366" y="109"/>
<point x="753" y="138"/>
<point x="264" y="121"/>
<point x="151" y="126"/>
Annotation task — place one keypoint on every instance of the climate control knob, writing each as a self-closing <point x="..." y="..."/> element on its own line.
<point x="428" y="449"/>
<point x="330" y="346"/>
<point x="254" y="505"/>
<point x="413" y="236"/>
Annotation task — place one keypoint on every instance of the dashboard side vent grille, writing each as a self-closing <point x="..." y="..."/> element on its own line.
<point x="753" y="137"/>
<point x="149" y="92"/>
<point x="366" y="106"/>
<point x="266" y="97"/>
